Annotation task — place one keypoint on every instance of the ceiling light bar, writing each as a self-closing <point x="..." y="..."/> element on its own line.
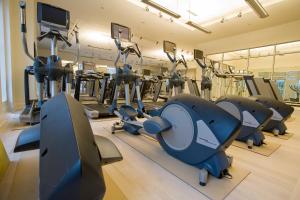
<point x="200" y="28"/>
<point x="257" y="8"/>
<point x="161" y="8"/>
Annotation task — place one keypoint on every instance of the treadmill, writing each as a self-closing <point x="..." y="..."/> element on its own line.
<point x="276" y="92"/>
<point x="96" y="84"/>
<point x="31" y="112"/>
<point x="268" y="88"/>
<point x="145" y="88"/>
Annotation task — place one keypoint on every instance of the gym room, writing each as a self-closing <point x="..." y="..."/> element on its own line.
<point x="149" y="99"/>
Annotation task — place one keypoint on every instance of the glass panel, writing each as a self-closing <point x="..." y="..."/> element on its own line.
<point x="262" y="51"/>
<point x="261" y="67"/>
<point x="242" y="54"/>
<point x="287" y="72"/>
<point x="288" y="47"/>
<point x="215" y="57"/>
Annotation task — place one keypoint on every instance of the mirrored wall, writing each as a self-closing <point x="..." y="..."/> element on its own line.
<point x="279" y="62"/>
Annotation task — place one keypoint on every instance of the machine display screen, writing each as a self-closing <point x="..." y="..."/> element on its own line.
<point x="53" y="16"/>
<point x="120" y="32"/>
<point x="88" y="66"/>
<point x="198" y="54"/>
<point x="169" y="47"/>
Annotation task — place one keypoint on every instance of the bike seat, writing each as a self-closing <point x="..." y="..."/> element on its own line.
<point x="128" y="112"/>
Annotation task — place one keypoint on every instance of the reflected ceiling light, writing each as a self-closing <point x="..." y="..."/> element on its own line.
<point x="257" y="8"/>
<point x="161" y="8"/>
<point x="101" y="66"/>
<point x="200" y="28"/>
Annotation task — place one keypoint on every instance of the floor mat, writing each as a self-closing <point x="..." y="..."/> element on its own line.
<point x="265" y="150"/>
<point x="286" y="136"/>
<point x="216" y="189"/>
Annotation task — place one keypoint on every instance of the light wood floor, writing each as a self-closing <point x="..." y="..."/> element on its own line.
<point x="274" y="177"/>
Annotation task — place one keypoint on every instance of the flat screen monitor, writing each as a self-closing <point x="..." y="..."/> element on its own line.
<point x="54" y="17"/>
<point x="88" y="66"/>
<point x="169" y="47"/>
<point x="120" y="32"/>
<point x="198" y="54"/>
<point x="146" y="72"/>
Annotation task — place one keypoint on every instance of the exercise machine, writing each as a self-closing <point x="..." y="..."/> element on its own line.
<point x="96" y="84"/>
<point x="252" y="115"/>
<point x="176" y="82"/>
<point x="190" y="129"/>
<point x="48" y="72"/>
<point x="70" y="155"/>
<point x="296" y="89"/>
<point x="261" y="92"/>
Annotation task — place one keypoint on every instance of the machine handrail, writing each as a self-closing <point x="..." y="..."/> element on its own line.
<point x="22" y="5"/>
<point x="125" y="51"/>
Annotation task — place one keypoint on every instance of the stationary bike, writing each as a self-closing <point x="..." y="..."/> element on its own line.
<point x="188" y="128"/>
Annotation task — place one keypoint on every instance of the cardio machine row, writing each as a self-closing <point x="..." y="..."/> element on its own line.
<point x="191" y="129"/>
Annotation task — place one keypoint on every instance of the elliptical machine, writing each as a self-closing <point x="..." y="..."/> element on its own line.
<point x="70" y="156"/>
<point x="252" y="115"/>
<point x="176" y="81"/>
<point x="190" y="129"/>
<point x="48" y="72"/>
<point x="281" y="111"/>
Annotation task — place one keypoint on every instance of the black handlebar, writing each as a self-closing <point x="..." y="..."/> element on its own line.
<point x="22" y="5"/>
<point x="172" y="59"/>
<point x="183" y="61"/>
<point x="129" y="49"/>
<point x="57" y="34"/>
<point x="202" y="65"/>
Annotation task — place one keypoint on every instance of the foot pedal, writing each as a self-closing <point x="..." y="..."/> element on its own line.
<point x="128" y="112"/>
<point x="108" y="151"/>
<point x="156" y="125"/>
<point x="29" y="139"/>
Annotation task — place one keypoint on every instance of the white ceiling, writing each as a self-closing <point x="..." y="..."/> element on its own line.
<point x="95" y="16"/>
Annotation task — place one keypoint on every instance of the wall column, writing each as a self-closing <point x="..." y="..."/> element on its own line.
<point x="16" y="60"/>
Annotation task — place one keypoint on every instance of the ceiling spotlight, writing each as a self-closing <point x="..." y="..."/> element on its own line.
<point x="160" y="15"/>
<point x="171" y="20"/>
<point x="222" y="20"/>
<point x="200" y="28"/>
<point x="147" y="8"/>
<point x="161" y="8"/>
<point x="257" y="8"/>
